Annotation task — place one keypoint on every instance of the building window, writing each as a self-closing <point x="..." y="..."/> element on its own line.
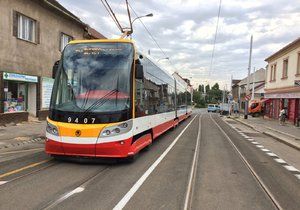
<point x="273" y="73"/>
<point x="64" y="40"/>
<point x="298" y="64"/>
<point x="26" y="28"/>
<point x="285" y="68"/>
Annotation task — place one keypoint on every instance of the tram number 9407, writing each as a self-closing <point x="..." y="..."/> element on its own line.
<point x="84" y="120"/>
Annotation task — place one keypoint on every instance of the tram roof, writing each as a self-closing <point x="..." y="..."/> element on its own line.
<point x="101" y="40"/>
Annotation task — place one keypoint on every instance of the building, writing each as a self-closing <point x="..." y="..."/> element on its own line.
<point x="259" y="82"/>
<point x="33" y="34"/>
<point x="283" y="82"/>
<point x="235" y="89"/>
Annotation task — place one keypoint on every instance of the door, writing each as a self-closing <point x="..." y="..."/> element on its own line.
<point x="32" y="99"/>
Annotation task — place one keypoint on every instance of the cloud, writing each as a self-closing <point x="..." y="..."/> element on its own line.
<point x="185" y="31"/>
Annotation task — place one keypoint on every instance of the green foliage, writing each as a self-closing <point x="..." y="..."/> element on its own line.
<point x="213" y="95"/>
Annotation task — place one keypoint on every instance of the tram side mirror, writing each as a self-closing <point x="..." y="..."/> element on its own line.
<point x="139" y="71"/>
<point x="55" y="68"/>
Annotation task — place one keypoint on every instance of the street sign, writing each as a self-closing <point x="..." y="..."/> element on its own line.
<point x="297" y="82"/>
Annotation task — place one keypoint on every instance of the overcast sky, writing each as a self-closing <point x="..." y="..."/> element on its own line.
<point x="185" y="31"/>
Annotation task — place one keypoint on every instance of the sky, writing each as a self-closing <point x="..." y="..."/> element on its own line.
<point x="185" y="30"/>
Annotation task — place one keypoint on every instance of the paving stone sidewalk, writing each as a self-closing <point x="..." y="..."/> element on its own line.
<point x="287" y="133"/>
<point x="22" y="133"/>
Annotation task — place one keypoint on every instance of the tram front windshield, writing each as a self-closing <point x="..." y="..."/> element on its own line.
<point x="93" y="77"/>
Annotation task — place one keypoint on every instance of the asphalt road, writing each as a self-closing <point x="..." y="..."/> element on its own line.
<point x="205" y="163"/>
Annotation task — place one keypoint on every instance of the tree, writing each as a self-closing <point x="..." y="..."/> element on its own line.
<point x="214" y="95"/>
<point x="207" y="88"/>
<point x="201" y="88"/>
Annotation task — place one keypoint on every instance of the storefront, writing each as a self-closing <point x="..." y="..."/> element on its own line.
<point x="278" y="101"/>
<point x="19" y="95"/>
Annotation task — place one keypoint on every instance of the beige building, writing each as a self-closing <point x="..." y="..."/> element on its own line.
<point x="32" y="36"/>
<point x="258" y="80"/>
<point x="283" y="82"/>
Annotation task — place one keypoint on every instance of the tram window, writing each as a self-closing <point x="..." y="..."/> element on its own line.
<point x="158" y="91"/>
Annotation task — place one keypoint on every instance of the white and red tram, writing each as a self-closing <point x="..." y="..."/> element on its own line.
<point x="110" y="101"/>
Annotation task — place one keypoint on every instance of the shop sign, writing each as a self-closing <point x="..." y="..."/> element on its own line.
<point x="47" y="85"/>
<point x="283" y="95"/>
<point x="19" y="77"/>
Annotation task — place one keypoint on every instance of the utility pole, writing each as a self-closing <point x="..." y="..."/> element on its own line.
<point x="253" y="84"/>
<point x="248" y="79"/>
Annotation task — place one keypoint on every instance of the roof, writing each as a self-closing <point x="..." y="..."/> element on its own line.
<point x="259" y="77"/>
<point x="95" y="34"/>
<point x="284" y="49"/>
<point x="58" y="8"/>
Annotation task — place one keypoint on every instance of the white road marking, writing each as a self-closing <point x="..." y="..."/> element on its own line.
<point x="271" y="154"/>
<point x="260" y="146"/>
<point x="65" y="196"/>
<point x="291" y="168"/>
<point x="254" y="142"/>
<point x="189" y="192"/>
<point x="143" y="178"/>
<point x="265" y="150"/>
<point x="3" y="182"/>
<point x="250" y="139"/>
<point x="297" y="175"/>
<point x="279" y="160"/>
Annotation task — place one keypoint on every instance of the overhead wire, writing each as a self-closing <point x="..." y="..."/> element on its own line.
<point x="215" y="39"/>
<point x="152" y="37"/>
<point x="112" y="14"/>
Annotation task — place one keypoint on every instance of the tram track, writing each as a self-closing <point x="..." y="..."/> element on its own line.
<point x="257" y="178"/>
<point x="75" y="189"/>
<point x="193" y="172"/>
<point x="17" y="171"/>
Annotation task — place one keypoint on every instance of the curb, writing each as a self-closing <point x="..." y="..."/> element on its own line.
<point x="282" y="140"/>
<point x="10" y="145"/>
<point x="284" y="133"/>
<point x="271" y="135"/>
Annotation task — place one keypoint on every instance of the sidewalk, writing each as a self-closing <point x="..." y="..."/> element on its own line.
<point x="287" y="134"/>
<point x="22" y="133"/>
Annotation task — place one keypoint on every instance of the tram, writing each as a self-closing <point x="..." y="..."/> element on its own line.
<point x="109" y="100"/>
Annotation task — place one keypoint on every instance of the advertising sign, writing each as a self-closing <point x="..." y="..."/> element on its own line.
<point x="19" y="77"/>
<point x="47" y="85"/>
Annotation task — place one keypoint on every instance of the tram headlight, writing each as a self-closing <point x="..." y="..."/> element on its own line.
<point x="52" y="129"/>
<point x="114" y="130"/>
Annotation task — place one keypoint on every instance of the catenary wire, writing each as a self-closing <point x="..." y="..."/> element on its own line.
<point x="215" y="39"/>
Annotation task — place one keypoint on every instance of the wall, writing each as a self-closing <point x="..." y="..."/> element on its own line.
<point x="292" y="70"/>
<point x="28" y="58"/>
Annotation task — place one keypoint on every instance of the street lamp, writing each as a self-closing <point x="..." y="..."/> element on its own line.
<point x="167" y="58"/>
<point x="148" y="15"/>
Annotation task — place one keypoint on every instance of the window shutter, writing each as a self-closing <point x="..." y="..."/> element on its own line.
<point x="37" y="32"/>
<point x="15" y="24"/>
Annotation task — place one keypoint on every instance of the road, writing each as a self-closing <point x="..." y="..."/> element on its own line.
<point x="205" y="163"/>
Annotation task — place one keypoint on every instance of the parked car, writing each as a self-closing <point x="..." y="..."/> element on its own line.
<point x="213" y="108"/>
